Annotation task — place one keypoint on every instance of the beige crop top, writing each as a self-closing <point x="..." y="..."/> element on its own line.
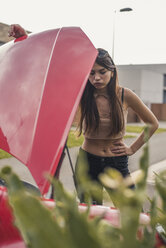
<point x="104" y="123"/>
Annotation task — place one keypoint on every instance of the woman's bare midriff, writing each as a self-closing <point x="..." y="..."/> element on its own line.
<point x="100" y="147"/>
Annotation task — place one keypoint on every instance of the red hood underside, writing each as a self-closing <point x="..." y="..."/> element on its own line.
<point x="42" y="79"/>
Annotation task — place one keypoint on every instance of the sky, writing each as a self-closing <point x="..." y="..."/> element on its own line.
<point x="139" y="35"/>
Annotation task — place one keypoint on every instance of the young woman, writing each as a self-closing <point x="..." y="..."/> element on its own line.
<point x="104" y="107"/>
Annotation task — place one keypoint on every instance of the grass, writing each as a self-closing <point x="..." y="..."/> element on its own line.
<point x="139" y="129"/>
<point x="128" y="136"/>
<point x="4" y="154"/>
<point x="134" y="129"/>
<point x="74" y="140"/>
<point x="161" y="130"/>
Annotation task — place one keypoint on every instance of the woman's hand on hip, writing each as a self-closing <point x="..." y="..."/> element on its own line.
<point x="121" y="149"/>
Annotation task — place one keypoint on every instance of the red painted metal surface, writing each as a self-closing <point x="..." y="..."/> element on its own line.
<point x="42" y="78"/>
<point x="9" y="234"/>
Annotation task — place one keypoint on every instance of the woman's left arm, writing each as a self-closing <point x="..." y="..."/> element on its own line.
<point x="146" y="115"/>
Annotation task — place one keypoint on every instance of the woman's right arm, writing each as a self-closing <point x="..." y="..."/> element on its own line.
<point x="16" y="31"/>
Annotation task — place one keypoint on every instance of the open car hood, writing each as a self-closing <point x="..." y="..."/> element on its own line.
<point x="42" y="78"/>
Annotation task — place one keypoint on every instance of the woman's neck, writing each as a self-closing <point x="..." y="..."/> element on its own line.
<point x="102" y="91"/>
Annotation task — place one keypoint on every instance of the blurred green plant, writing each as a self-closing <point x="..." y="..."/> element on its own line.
<point x="65" y="226"/>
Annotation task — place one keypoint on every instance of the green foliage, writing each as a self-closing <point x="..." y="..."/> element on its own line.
<point x="65" y="226"/>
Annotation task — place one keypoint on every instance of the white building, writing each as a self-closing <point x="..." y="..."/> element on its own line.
<point x="148" y="82"/>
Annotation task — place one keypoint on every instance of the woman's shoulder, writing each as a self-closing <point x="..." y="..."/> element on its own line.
<point x="124" y="90"/>
<point x="125" y="93"/>
<point x="130" y="97"/>
<point x="128" y="93"/>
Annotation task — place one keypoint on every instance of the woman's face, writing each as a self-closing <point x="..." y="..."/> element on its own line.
<point x="100" y="76"/>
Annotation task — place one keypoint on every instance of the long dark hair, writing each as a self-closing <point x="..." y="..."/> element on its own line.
<point x="88" y="108"/>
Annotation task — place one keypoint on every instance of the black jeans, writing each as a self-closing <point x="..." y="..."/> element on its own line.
<point x="97" y="165"/>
